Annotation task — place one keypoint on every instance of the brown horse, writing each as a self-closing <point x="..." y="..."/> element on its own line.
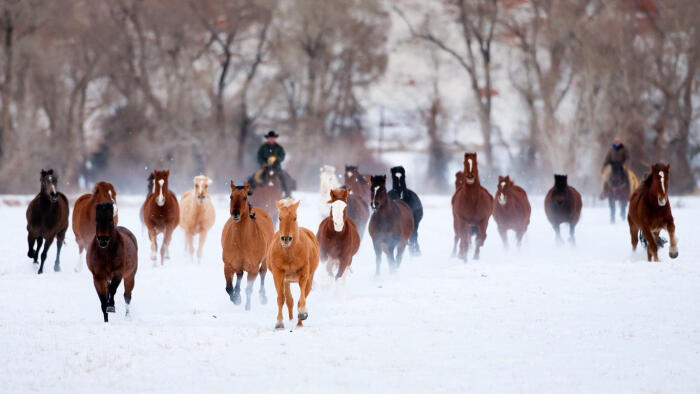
<point x="337" y="235"/>
<point x="292" y="256"/>
<point x="563" y="205"/>
<point x="84" y="216"/>
<point x="268" y="191"/>
<point x="650" y="212"/>
<point x="47" y="218"/>
<point x="160" y="213"/>
<point x="511" y="209"/>
<point x="390" y="226"/>
<point x="197" y="215"/>
<point x="471" y="208"/>
<point x="244" y="242"/>
<point x="112" y="256"/>
<point x="356" y="183"/>
<point x="358" y="212"/>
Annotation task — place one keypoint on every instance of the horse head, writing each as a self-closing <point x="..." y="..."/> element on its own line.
<point x="239" y="206"/>
<point x="504" y="183"/>
<point x="378" y="190"/>
<point x="471" y="169"/>
<point x="104" y="192"/>
<point x="560" y="188"/>
<point x="338" y="203"/>
<point x="201" y="187"/>
<point x="288" y="227"/>
<point x="659" y="182"/>
<point x="398" y="178"/>
<point x="459" y="179"/>
<point x="160" y="185"/>
<point x="104" y="218"/>
<point x="48" y="184"/>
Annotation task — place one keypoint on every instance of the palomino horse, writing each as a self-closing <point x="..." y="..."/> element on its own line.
<point x="244" y="241"/>
<point x="563" y="205"/>
<point x="197" y="214"/>
<point x="268" y="191"/>
<point x="650" y="212"/>
<point x="292" y="256"/>
<point x="47" y="218"/>
<point x="112" y="256"/>
<point x="160" y="213"/>
<point x="356" y="183"/>
<point x="337" y="235"/>
<point x="329" y="181"/>
<point x="399" y="191"/>
<point x="511" y="209"/>
<point x="619" y="187"/>
<point x="84" y="216"/>
<point x="471" y="208"/>
<point x="390" y="226"/>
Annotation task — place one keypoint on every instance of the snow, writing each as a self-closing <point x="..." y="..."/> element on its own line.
<point x="590" y="318"/>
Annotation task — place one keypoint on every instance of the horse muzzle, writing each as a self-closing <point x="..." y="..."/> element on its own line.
<point x="502" y="199"/>
<point x="471" y="179"/>
<point x="662" y="201"/>
<point x="286" y="241"/>
<point x="374" y="206"/>
<point x="160" y="201"/>
<point x="103" y="242"/>
<point x="53" y="197"/>
<point x="236" y="216"/>
<point x="200" y="199"/>
<point x="338" y="227"/>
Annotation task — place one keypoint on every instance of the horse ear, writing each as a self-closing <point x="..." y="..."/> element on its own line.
<point x="296" y="204"/>
<point x="167" y="172"/>
<point x="668" y="166"/>
<point x="246" y="187"/>
<point x="278" y="204"/>
<point x="343" y="194"/>
<point x="233" y="185"/>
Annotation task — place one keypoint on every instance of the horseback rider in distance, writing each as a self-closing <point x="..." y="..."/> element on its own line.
<point x="617" y="155"/>
<point x="271" y="154"/>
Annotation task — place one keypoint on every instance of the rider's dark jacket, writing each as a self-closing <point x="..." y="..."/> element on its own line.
<point x="618" y="155"/>
<point x="268" y="150"/>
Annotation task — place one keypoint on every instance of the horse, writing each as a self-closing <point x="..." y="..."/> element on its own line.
<point x="472" y="206"/>
<point x="356" y="182"/>
<point x="337" y="235"/>
<point x="160" y="213"/>
<point x="563" y="205"/>
<point x="244" y="241"/>
<point x="292" y="256"/>
<point x="329" y="181"/>
<point x="399" y="191"/>
<point x="390" y="226"/>
<point x="511" y="209"/>
<point x="111" y="257"/>
<point x="197" y="214"/>
<point x="619" y="187"/>
<point x="47" y="218"/>
<point x="268" y="191"/>
<point x="83" y="221"/>
<point x="650" y="212"/>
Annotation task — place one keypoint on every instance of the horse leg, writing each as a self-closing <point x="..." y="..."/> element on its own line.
<point x="389" y="250"/>
<point x="154" y="245"/>
<point x="236" y="294"/>
<point x="79" y="266"/>
<point x="558" y="233"/>
<point x="623" y="209"/>
<point x="611" y="203"/>
<point x="101" y="288"/>
<point x="128" y="287"/>
<point x="572" y="236"/>
<point x="480" y="237"/>
<point x="634" y="233"/>
<point x="413" y="242"/>
<point x="652" y="248"/>
<point x="165" y="247"/>
<point x="503" y="232"/>
<point x="189" y="241"/>
<point x="39" y="242"/>
<point x="263" y="272"/>
<point x="278" y="279"/>
<point x="200" y="246"/>
<point x="228" y="275"/>
<point x="377" y="254"/>
<point x="464" y="241"/>
<point x="249" y="289"/>
<point x="30" y="241"/>
<point x="289" y="299"/>
<point x="59" y="239"/>
<point x="301" y="306"/>
<point x="671" y="228"/>
<point x="111" y="291"/>
<point x="47" y="245"/>
<point x="342" y="266"/>
<point x="399" y="253"/>
<point x="519" y="236"/>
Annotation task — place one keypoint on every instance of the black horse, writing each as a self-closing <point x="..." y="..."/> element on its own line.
<point x="47" y="218"/>
<point x="399" y="191"/>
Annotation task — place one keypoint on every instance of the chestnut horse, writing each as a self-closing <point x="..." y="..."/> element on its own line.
<point x="111" y="257"/>
<point x="244" y="242"/>
<point x="356" y="183"/>
<point x="337" y="235"/>
<point x="619" y="187"/>
<point x="47" y="218"/>
<point x="160" y="213"/>
<point x="390" y="226"/>
<point x="563" y="205"/>
<point x="197" y="215"/>
<point x="650" y="212"/>
<point x="84" y="216"/>
<point x="471" y="208"/>
<point x="268" y="191"/>
<point x="292" y="256"/>
<point x="399" y="191"/>
<point x="511" y="209"/>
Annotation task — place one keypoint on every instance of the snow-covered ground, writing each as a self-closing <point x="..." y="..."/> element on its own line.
<point x="590" y="318"/>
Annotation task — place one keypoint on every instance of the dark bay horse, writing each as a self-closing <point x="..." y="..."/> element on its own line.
<point x="47" y="218"/>
<point x="337" y="235"/>
<point x="618" y="189"/>
<point x="356" y="183"/>
<point x="390" y="226"/>
<point x="358" y="211"/>
<point x="84" y="216"/>
<point x="399" y="191"/>
<point x="471" y="208"/>
<point x="267" y="190"/>
<point x="563" y="205"/>
<point x="113" y="256"/>
<point x="650" y="212"/>
<point x="511" y="209"/>
<point x="160" y="213"/>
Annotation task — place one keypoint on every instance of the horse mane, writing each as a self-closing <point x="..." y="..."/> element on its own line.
<point x="286" y="202"/>
<point x="151" y="179"/>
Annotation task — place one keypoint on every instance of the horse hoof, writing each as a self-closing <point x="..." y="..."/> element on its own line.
<point x="40" y="272"/>
<point x="303" y="316"/>
<point x="111" y="309"/>
<point x="673" y="255"/>
<point x="279" y="326"/>
<point x="236" y="298"/>
<point x="57" y="268"/>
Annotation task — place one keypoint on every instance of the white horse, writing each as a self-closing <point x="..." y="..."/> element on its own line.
<point x="328" y="181"/>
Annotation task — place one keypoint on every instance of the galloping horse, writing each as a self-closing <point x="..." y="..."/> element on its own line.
<point x="268" y="191"/>
<point x="112" y="256"/>
<point x="329" y="181"/>
<point x="160" y="213"/>
<point x="390" y="226"/>
<point x="337" y="235"/>
<point x="563" y="205"/>
<point x="47" y="217"/>
<point x="358" y="198"/>
<point x="84" y="216"/>
<point x="511" y="209"/>
<point x="356" y="182"/>
<point x="471" y="208"/>
<point x="650" y="212"/>
<point x="619" y="187"/>
<point x="399" y="191"/>
<point x="197" y="214"/>
<point x="292" y="256"/>
<point x="244" y="241"/>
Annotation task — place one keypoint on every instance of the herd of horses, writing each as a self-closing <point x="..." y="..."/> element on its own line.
<point x="250" y="244"/>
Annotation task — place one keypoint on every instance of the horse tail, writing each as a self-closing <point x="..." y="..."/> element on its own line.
<point x="634" y="182"/>
<point x="151" y="180"/>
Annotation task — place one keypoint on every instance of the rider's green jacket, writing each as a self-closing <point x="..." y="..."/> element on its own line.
<point x="271" y="150"/>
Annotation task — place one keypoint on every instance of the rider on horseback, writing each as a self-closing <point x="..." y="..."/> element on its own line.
<point x="616" y="156"/>
<point x="271" y="154"/>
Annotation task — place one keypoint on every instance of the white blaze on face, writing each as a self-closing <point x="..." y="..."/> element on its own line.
<point x="374" y="192"/>
<point x="53" y="187"/>
<point x="663" y="183"/>
<point x="160" y="201"/>
<point x="470" y="165"/>
<point x="337" y="208"/>
<point x="398" y="175"/>
<point x="114" y="203"/>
